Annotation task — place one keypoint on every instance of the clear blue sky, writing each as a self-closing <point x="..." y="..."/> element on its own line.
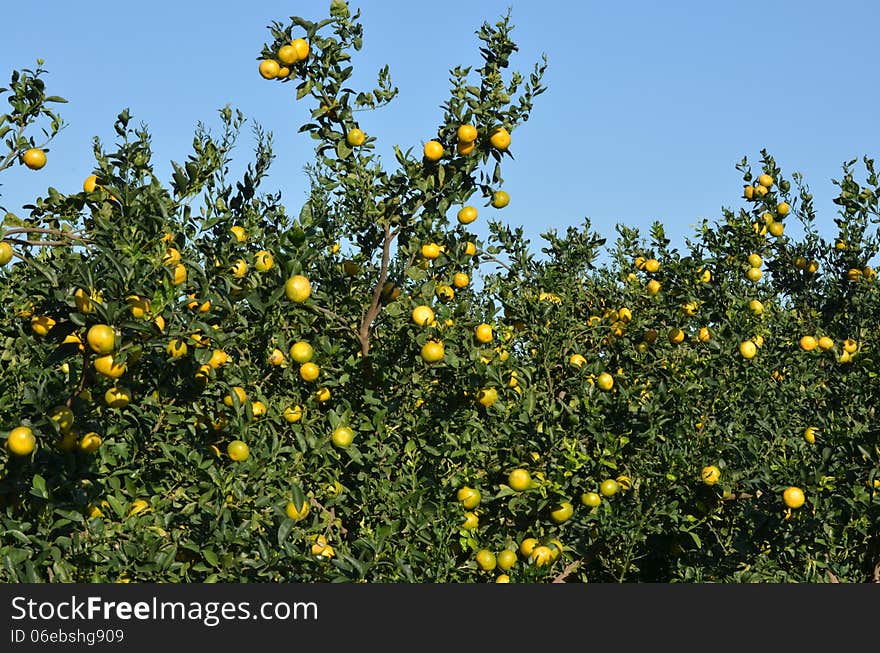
<point x="649" y="104"/>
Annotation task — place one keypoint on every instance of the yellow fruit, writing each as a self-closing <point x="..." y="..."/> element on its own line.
<point x="287" y="54"/>
<point x="322" y="395"/>
<point x="500" y="139"/>
<point x="755" y="260"/>
<point x="139" y="306"/>
<point x="276" y="357"/>
<point x="749" y="192"/>
<point x="83" y="301"/>
<point x="710" y="474"/>
<point x="850" y="346"/>
<point x="776" y="229"/>
<point x="783" y="208"/>
<point x="118" y="396"/>
<point x="460" y="280"/>
<point x="101" y="338"/>
<point x="238" y="450"/>
<point x="467" y="214"/>
<point x="854" y="274"/>
<point x="269" y="69"/>
<point x="810" y="434"/>
<point x="675" y="336"/>
<point x="609" y="487"/>
<point x="239" y="393"/>
<point x="218" y="358"/>
<point x="342" y="436"/>
<point x="754" y="274"/>
<point x="527" y="546"/>
<point x="705" y="335"/>
<point x="465" y="148"/>
<point x="470" y="249"/>
<point x="577" y="360"/>
<point x="90" y="183"/>
<point x="137" y="506"/>
<point x="258" y="408"/>
<point x="179" y="274"/>
<point x="487" y="397"/>
<point x="561" y="512"/>
<point x="652" y="265"/>
<point x="63" y="417"/>
<point x="825" y="343"/>
<point x="793" y="497"/>
<point x="748" y="349"/>
<point x="301" y="47"/>
<point x="486" y="560"/>
<point x="42" y="324"/>
<point x="21" y="441"/>
<point x="433" y="351"/>
<point x="605" y="381"/>
<point x="756" y="307"/>
<point x="469" y="497"/>
<point x="34" y="158"/>
<point x="177" y="348"/>
<point x="653" y="287"/>
<point x="483" y="333"/>
<point x="761" y="191"/>
<point x="239" y="268"/>
<point x="6" y="252"/>
<point x="106" y="366"/>
<point x="263" y="261"/>
<point x="301" y="352"/>
<point x="471" y="521"/>
<point x="239" y="233"/>
<point x="445" y="293"/>
<point x="309" y="372"/>
<point x="519" y="479"/>
<point x="500" y="199"/>
<point x="506" y="560"/>
<point x="542" y="555"/>
<point x="765" y="180"/>
<point x="423" y="315"/>
<point x="808" y="343"/>
<point x="298" y="288"/>
<point x="591" y="499"/>
<point x="467" y="133"/>
<point x="171" y="257"/>
<point x="297" y="513"/>
<point x="321" y="549"/>
<point x="293" y="414"/>
<point x="433" y="151"/>
<point x="431" y="251"/>
<point x="355" y="137"/>
<point x="90" y="442"/>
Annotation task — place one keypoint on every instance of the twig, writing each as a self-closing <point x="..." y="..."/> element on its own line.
<point x="565" y="573"/>
<point x="82" y="381"/>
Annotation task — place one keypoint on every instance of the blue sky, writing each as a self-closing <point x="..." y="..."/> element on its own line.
<point x="649" y="105"/>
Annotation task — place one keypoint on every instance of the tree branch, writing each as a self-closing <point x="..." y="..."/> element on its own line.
<point x="44" y="230"/>
<point x="375" y="304"/>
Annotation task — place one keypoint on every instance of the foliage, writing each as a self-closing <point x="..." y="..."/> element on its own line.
<point x="583" y="380"/>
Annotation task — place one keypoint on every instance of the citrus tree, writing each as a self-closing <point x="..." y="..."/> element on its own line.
<point x="200" y="385"/>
